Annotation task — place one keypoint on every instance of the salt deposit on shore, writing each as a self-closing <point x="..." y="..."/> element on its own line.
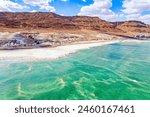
<point x="47" y="53"/>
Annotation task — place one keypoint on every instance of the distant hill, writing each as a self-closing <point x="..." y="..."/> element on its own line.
<point x="44" y="20"/>
<point x="133" y="26"/>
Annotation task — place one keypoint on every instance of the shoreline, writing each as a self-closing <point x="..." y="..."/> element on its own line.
<point x="39" y="54"/>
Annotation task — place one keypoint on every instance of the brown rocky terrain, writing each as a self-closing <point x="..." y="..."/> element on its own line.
<point x="39" y="29"/>
<point x="40" y="20"/>
<point x="133" y="26"/>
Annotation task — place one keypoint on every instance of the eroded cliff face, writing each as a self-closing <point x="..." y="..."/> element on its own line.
<point x="41" y="20"/>
<point x="134" y="26"/>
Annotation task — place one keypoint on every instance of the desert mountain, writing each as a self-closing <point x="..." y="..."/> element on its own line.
<point x="133" y="26"/>
<point x="42" y="20"/>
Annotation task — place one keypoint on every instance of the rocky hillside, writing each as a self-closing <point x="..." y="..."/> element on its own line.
<point x="40" y="20"/>
<point x="133" y="26"/>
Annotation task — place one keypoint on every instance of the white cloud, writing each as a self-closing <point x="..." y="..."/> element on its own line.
<point x="48" y="8"/>
<point x="133" y="9"/>
<point x="100" y="8"/>
<point x="7" y="5"/>
<point x="135" y="6"/>
<point x="145" y="18"/>
<point x="43" y="4"/>
<point x="3" y="9"/>
<point x="139" y="17"/>
<point x="133" y="16"/>
<point x="84" y="0"/>
<point x="33" y="11"/>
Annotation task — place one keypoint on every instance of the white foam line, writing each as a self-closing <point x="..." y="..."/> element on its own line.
<point x="47" y="53"/>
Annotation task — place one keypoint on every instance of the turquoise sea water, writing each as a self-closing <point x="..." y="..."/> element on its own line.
<point x="116" y="71"/>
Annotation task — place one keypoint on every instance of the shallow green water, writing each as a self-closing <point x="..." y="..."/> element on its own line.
<point x="117" y="71"/>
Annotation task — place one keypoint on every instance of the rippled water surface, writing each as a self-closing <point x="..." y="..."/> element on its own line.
<point x="117" y="71"/>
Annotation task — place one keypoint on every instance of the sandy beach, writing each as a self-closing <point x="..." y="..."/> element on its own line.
<point x="47" y="53"/>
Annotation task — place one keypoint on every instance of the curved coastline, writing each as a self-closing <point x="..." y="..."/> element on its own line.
<point x="48" y="53"/>
<point x="42" y="54"/>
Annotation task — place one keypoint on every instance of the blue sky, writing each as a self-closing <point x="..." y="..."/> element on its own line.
<point x="70" y="7"/>
<point x="111" y="10"/>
